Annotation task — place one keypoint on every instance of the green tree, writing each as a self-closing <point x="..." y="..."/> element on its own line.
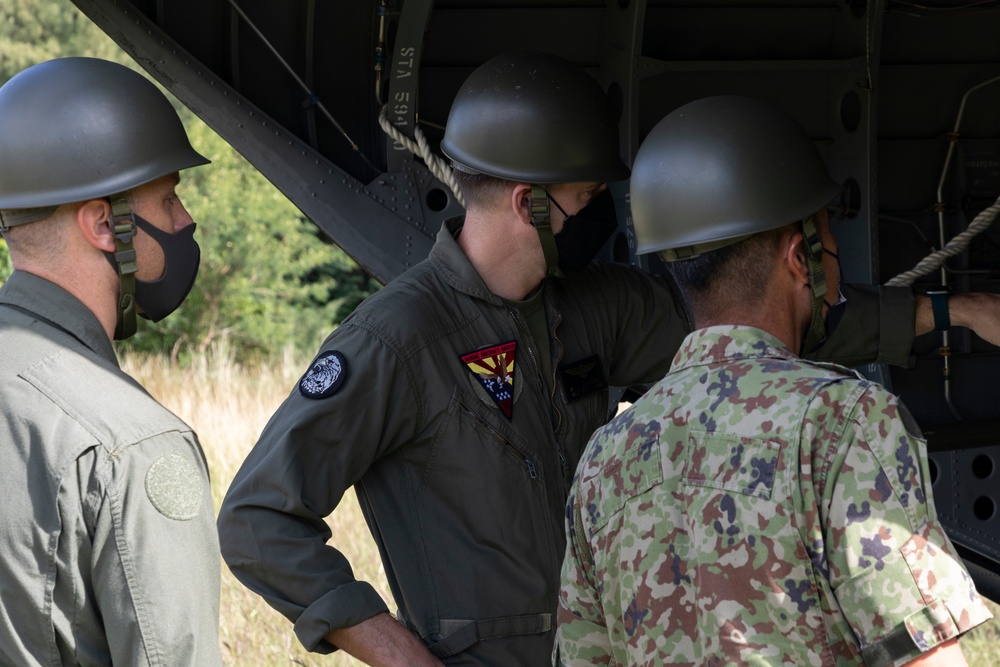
<point x="5" y="267"/>
<point x="35" y="30"/>
<point x="268" y="279"/>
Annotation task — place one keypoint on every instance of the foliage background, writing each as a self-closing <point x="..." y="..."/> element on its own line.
<point x="269" y="279"/>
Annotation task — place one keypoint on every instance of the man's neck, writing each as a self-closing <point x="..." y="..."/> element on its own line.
<point x="506" y="263"/>
<point x="88" y="288"/>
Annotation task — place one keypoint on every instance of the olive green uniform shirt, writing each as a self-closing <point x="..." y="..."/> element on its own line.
<point x="110" y="554"/>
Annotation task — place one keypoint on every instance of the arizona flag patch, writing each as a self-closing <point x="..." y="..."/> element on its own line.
<point x="494" y="368"/>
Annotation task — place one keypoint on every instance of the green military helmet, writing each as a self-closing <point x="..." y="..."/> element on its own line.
<point x="534" y="118"/>
<point x="73" y="129"/>
<point x="717" y="170"/>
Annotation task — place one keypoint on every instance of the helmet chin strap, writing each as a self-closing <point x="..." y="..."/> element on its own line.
<point x="123" y="224"/>
<point x="541" y="219"/>
<point x="817" y="282"/>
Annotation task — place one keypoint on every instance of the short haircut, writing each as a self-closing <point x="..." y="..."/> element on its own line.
<point x="734" y="276"/>
<point x="45" y="237"/>
<point x="481" y="190"/>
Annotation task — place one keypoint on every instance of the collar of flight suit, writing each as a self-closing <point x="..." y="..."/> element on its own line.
<point x="57" y="307"/>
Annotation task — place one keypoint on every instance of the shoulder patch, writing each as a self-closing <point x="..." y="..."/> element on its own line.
<point x="325" y="376"/>
<point x="174" y="486"/>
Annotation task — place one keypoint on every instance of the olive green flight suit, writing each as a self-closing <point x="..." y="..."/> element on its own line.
<point x="109" y="549"/>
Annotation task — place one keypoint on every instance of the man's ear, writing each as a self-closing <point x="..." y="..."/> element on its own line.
<point x="794" y="255"/>
<point x="93" y="218"/>
<point x="520" y="202"/>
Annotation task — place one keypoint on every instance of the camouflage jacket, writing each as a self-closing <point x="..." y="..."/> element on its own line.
<point x="756" y="508"/>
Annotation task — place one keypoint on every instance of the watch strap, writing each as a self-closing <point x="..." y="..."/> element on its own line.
<point x="939" y="306"/>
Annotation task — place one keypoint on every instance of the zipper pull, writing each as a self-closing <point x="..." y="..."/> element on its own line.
<point x="531" y="468"/>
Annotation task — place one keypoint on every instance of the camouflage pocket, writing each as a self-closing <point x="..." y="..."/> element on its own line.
<point x="732" y="463"/>
<point x="607" y="492"/>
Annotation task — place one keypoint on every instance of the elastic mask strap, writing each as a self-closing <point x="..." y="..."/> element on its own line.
<point x="542" y="222"/>
<point x="817" y="282"/>
<point x="841" y="299"/>
<point x="123" y="224"/>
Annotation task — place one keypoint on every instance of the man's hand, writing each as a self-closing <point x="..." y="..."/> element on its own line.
<point x="980" y="311"/>
<point x="948" y="654"/>
<point x="383" y="641"/>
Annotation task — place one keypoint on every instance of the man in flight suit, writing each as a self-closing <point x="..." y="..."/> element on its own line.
<point x="110" y="554"/>
<point x="457" y="400"/>
<point x="754" y="507"/>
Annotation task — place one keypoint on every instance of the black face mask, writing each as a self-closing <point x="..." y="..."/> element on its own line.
<point x="583" y="234"/>
<point x="181" y="258"/>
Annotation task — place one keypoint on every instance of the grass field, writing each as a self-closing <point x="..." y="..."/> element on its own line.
<point x="228" y="406"/>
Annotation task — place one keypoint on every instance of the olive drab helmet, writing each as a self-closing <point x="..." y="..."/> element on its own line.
<point x="73" y="129"/>
<point x="720" y="169"/>
<point x="534" y="118"/>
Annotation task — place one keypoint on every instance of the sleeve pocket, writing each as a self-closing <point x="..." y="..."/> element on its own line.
<point x="878" y="599"/>
<point x="918" y="598"/>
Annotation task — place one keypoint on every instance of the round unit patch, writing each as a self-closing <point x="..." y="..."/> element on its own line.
<point x="325" y="376"/>
<point x="174" y="486"/>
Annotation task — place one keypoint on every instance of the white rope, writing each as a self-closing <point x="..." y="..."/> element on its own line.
<point x="961" y="241"/>
<point x="437" y="166"/>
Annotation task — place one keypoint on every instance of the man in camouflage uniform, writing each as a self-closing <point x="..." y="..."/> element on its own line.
<point x="754" y="507"/>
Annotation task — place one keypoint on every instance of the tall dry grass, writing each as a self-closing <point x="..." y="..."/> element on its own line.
<point x="228" y="405"/>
